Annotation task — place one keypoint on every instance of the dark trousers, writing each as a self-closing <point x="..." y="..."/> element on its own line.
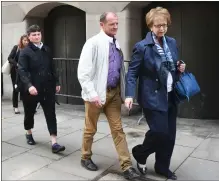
<point x="160" y="138"/>
<point x="47" y="102"/>
<point x="14" y="93"/>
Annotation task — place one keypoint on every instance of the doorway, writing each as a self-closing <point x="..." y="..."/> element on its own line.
<point x="65" y="34"/>
<point x="194" y="26"/>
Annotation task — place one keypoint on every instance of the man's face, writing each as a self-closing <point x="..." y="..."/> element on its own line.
<point x="35" y="37"/>
<point x="110" y="26"/>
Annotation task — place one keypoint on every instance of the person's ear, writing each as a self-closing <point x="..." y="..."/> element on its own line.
<point x="101" y="24"/>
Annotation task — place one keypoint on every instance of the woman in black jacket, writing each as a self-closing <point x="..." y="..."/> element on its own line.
<point x="13" y="60"/>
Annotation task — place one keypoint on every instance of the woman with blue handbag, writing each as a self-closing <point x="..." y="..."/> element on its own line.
<point x="155" y="63"/>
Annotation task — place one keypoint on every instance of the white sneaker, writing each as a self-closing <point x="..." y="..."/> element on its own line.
<point x="16" y="111"/>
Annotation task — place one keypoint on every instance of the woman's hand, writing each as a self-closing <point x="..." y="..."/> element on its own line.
<point x="128" y="103"/>
<point x="181" y="66"/>
<point x="58" y="89"/>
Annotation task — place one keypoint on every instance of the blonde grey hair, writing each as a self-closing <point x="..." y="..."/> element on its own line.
<point x="158" y="11"/>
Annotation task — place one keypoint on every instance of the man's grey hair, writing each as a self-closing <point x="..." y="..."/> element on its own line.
<point x="104" y="15"/>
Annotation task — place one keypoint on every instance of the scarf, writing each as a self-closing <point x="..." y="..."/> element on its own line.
<point x="167" y="64"/>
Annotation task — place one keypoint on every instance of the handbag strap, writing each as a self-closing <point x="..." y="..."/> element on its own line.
<point x="17" y="49"/>
<point x="16" y="52"/>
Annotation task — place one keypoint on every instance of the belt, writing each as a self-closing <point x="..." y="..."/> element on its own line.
<point x="110" y="88"/>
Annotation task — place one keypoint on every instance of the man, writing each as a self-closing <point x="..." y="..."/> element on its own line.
<point x="39" y="83"/>
<point x="101" y="74"/>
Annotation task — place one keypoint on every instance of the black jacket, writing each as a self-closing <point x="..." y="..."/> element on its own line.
<point x="13" y="58"/>
<point x="36" y="68"/>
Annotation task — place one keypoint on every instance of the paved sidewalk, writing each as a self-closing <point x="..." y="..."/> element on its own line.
<point x="195" y="157"/>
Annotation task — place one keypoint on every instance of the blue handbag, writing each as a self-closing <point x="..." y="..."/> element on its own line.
<point x="186" y="86"/>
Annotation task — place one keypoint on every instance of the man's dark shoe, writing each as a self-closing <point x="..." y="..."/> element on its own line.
<point x="30" y="140"/>
<point x="89" y="165"/>
<point x="169" y="175"/>
<point x="143" y="171"/>
<point x="56" y="148"/>
<point x="130" y="174"/>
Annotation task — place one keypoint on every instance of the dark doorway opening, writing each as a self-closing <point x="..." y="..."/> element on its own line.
<point x="65" y="34"/>
<point x="195" y="27"/>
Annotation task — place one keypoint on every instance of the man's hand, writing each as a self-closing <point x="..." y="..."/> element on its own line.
<point x="128" y="103"/>
<point x="33" y="91"/>
<point x="96" y="101"/>
<point x="58" y="89"/>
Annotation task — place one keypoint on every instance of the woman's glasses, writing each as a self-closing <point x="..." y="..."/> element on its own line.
<point x="161" y="25"/>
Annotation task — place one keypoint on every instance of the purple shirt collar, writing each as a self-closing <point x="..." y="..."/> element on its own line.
<point x="110" y="39"/>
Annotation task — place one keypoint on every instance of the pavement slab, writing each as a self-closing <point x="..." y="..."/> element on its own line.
<point x="71" y="164"/>
<point x="12" y="132"/>
<point x="9" y="150"/>
<point x="177" y="160"/>
<point x="188" y="139"/>
<point x="72" y="143"/>
<point x="40" y="136"/>
<point x="214" y="135"/>
<point x="22" y="165"/>
<point x="198" y="169"/>
<point x="209" y="150"/>
<point x="195" y="155"/>
<point x="50" y="174"/>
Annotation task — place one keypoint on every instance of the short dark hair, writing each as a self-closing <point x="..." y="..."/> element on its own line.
<point x="104" y="15"/>
<point x="33" y="28"/>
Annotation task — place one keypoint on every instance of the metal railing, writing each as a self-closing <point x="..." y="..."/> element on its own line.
<point x="60" y="70"/>
<point x="66" y="66"/>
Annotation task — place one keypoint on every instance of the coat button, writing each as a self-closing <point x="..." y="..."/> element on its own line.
<point x="155" y="91"/>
